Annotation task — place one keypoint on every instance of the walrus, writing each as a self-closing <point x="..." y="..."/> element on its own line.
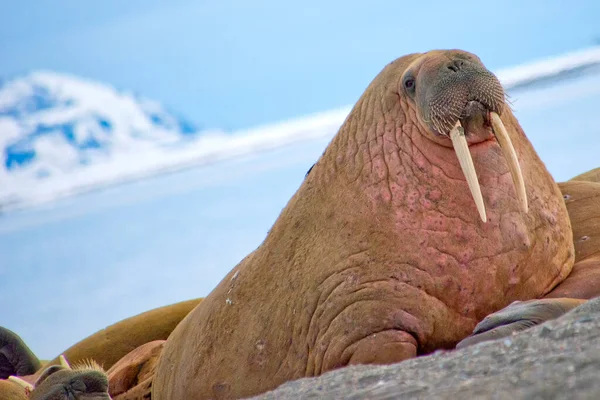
<point x="109" y="345"/>
<point x="131" y="378"/>
<point x="590" y="176"/>
<point x="101" y="350"/>
<point x="16" y="358"/>
<point x="11" y="391"/>
<point x="85" y="381"/>
<point x="428" y="211"/>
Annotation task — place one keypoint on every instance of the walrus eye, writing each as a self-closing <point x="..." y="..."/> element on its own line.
<point x="409" y="84"/>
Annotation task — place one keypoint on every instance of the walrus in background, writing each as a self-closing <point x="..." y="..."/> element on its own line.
<point x="136" y="336"/>
<point x="15" y="357"/>
<point x="590" y="176"/>
<point x="109" y="345"/>
<point x="428" y="211"/>
<point x="85" y="381"/>
<point x="131" y="378"/>
<point x="11" y="391"/>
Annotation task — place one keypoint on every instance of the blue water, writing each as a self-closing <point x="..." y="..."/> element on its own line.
<point x="78" y="265"/>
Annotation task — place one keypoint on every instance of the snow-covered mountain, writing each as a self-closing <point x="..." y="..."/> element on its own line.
<point x="61" y="135"/>
<point x="58" y="129"/>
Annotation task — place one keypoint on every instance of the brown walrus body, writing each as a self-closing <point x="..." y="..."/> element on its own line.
<point x="11" y="391"/>
<point x="590" y="176"/>
<point x="583" y="203"/>
<point x="381" y="254"/>
<point x="109" y="345"/>
<point x="131" y="377"/>
<point x="582" y="198"/>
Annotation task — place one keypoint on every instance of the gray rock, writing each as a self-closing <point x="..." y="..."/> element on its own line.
<point x="556" y="360"/>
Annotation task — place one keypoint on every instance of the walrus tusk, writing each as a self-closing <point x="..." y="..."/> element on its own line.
<point x="459" y="142"/>
<point x="21" y="382"/>
<point x="511" y="158"/>
<point x="64" y="362"/>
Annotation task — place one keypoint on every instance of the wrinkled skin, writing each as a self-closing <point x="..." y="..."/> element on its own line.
<point x="380" y="255"/>
<point x="59" y="382"/>
<point x="65" y="384"/>
<point x="582" y="197"/>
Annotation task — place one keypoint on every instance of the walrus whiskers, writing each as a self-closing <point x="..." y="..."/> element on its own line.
<point x="459" y="142"/>
<point x="511" y="158"/>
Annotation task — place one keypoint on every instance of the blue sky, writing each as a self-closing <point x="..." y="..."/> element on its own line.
<point x="234" y="64"/>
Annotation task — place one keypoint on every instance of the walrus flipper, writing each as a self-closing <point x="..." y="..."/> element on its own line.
<point x="15" y="357"/>
<point x="518" y="316"/>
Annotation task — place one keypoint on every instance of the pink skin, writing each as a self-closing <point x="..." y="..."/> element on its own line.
<point x="583" y="204"/>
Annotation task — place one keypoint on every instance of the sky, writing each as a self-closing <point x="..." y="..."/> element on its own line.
<point x="236" y="64"/>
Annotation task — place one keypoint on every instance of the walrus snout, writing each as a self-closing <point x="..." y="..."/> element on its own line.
<point x="86" y="381"/>
<point x="457" y="88"/>
<point x="458" y="97"/>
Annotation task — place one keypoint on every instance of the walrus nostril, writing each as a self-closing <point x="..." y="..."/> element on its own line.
<point x="456" y="65"/>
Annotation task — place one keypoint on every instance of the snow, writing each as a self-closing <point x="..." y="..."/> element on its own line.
<point x="551" y="67"/>
<point x="60" y="134"/>
<point x="63" y="135"/>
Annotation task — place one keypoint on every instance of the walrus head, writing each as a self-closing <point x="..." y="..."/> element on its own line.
<point x="85" y="381"/>
<point x="455" y="97"/>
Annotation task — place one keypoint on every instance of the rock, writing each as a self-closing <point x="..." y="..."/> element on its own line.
<point x="558" y="359"/>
